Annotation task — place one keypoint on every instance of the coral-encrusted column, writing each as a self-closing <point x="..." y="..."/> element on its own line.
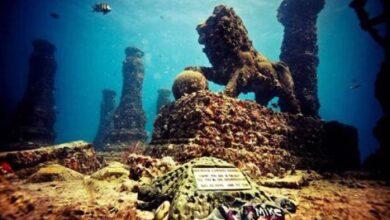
<point x="107" y="108"/>
<point x="2" y="120"/>
<point x="299" y="49"/>
<point x="33" y="124"/>
<point x="163" y="98"/>
<point x="379" y="161"/>
<point x="129" y="118"/>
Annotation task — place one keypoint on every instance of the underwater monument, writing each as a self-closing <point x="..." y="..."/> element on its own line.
<point x="163" y="98"/>
<point x="213" y="153"/>
<point x="107" y="108"/>
<point x="238" y="66"/>
<point x="33" y="123"/>
<point x="201" y="123"/>
<point x="129" y="118"/>
<point x="300" y="50"/>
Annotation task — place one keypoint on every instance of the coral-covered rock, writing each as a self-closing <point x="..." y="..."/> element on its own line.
<point x="113" y="171"/>
<point x="299" y="49"/>
<point x="54" y="172"/>
<point x="129" y="118"/>
<point x="146" y="168"/>
<point x="33" y="125"/>
<point x="342" y="141"/>
<point x="107" y="108"/>
<point x="242" y="132"/>
<point x="237" y="64"/>
<point x="294" y="180"/>
<point x="78" y="156"/>
<point x="188" y="82"/>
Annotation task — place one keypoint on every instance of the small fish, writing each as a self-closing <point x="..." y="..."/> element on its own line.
<point x="54" y="15"/>
<point x="356" y="86"/>
<point x="101" y="7"/>
<point x="161" y="17"/>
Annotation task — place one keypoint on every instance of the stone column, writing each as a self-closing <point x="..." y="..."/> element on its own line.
<point x="300" y="50"/>
<point x="163" y="98"/>
<point x="107" y="108"/>
<point x="34" y="120"/>
<point x="382" y="128"/>
<point x="379" y="161"/>
<point x="2" y="121"/>
<point x="129" y="118"/>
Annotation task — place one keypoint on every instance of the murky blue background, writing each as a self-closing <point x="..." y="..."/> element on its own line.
<point x="90" y="51"/>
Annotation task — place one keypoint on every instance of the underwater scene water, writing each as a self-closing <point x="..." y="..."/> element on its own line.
<point x="90" y="49"/>
<point x="194" y="109"/>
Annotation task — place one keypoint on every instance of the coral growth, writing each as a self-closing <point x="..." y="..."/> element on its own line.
<point x="111" y="196"/>
<point x="207" y="124"/>
<point x="33" y="124"/>
<point x="60" y="193"/>
<point x="299" y="49"/>
<point x="146" y="168"/>
<point x="236" y="63"/>
<point x="107" y="108"/>
<point x="188" y="82"/>
<point x="129" y="118"/>
<point x="77" y="155"/>
<point x="54" y="172"/>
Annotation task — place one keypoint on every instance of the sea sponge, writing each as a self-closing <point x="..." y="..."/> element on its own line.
<point x="187" y="82"/>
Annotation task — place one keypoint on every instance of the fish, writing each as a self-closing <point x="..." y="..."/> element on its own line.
<point x="101" y="7"/>
<point x="54" y="15"/>
<point x="355" y="86"/>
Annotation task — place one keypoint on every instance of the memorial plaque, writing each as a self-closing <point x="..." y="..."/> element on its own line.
<point x="213" y="178"/>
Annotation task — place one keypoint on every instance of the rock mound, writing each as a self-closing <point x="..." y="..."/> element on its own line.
<point x="113" y="171"/>
<point x="78" y="155"/>
<point x="188" y="82"/>
<point x="242" y="132"/>
<point x="54" y="172"/>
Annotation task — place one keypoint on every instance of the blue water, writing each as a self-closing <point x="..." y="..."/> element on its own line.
<point x="90" y="51"/>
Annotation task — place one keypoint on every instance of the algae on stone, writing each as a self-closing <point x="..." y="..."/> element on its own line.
<point x="188" y="82"/>
<point x="54" y="172"/>
<point x="114" y="171"/>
